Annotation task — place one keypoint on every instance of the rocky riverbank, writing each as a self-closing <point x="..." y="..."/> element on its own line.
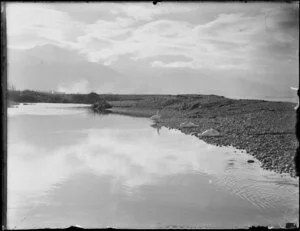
<point x="263" y="129"/>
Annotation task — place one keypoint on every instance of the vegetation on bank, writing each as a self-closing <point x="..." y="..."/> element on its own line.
<point x="101" y="106"/>
<point x="28" y="96"/>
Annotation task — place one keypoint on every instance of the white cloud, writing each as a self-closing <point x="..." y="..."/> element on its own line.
<point x="99" y="42"/>
<point x="81" y="86"/>
<point x="163" y="29"/>
<point x="226" y="42"/>
<point x="116" y="149"/>
<point x="147" y="11"/>
<point x="174" y="64"/>
<point x="41" y="22"/>
<point x="165" y="37"/>
<point x="109" y="29"/>
<point x="232" y="40"/>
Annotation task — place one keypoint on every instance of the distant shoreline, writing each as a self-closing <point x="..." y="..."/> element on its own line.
<point x="31" y="96"/>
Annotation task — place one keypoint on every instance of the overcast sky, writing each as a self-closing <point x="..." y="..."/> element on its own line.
<point x="253" y="43"/>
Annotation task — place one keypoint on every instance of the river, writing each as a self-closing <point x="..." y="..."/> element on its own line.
<point x="69" y="166"/>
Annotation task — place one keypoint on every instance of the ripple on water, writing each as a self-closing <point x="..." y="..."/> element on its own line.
<point x="267" y="191"/>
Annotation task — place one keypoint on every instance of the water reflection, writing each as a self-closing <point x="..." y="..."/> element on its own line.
<point x="156" y="126"/>
<point x="105" y="151"/>
<point x="44" y="109"/>
<point x="63" y="170"/>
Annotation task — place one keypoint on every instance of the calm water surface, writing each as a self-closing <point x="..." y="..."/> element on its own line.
<point x="67" y="166"/>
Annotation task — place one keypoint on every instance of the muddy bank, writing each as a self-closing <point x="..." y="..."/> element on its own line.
<point x="264" y="129"/>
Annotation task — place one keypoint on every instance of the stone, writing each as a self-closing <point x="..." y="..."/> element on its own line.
<point x="188" y="125"/>
<point x="210" y="132"/>
<point x="290" y="225"/>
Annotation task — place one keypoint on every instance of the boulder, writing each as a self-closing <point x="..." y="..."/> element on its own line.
<point x="210" y="132"/>
<point x="290" y="225"/>
<point x="188" y="125"/>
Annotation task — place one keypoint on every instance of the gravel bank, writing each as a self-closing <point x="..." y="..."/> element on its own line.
<point x="266" y="130"/>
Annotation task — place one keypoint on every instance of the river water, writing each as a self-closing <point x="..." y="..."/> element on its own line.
<point x="69" y="166"/>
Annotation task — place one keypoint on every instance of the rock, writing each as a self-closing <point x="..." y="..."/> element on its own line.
<point x="274" y="227"/>
<point x="188" y="125"/>
<point x="290" y="225"/>
<point x="210" y="132"/>
<point x="259" y="227"/>
<point x="250" y="161"/>
<point x="74" y="227"/>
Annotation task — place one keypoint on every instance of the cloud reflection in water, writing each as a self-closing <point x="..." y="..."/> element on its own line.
<point x="122" y="158"/>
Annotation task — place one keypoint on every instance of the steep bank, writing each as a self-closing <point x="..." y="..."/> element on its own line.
<point x="264" y="129"/>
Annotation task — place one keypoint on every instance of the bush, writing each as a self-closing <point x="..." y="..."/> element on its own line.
<point x="101" y="105"/>
<point x="92" y="97"/>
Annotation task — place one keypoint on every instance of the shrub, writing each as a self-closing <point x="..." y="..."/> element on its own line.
<point x="101" y="105"/>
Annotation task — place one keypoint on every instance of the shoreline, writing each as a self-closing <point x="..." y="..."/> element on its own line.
<point x="266" y="131"/>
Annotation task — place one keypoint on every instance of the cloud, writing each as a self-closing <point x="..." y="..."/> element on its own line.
<point x="117" y="149"/>
<point x="81" y="86"/>
<point x="109" y="29"/>
<point x="91" y="44"/>
<point x="42" y="23"/>
<point x="147" y="11"/>
<point x="261" y="41"/>
<point x="164" y="31"/>
<point x="229" y="28"/>
<point x="226" y="42"/>
<point x="173" y="64"/>
<point x="167" y="37"/>
<point x="133" y="31"/>
<point x="27" y="40"/>
<point x="101" y="42"/>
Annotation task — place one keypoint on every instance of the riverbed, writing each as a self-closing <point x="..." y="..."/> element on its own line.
<point x="70" y="166"/>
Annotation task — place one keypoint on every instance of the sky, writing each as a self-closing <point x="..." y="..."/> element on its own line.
<point x="232" y="49"/>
